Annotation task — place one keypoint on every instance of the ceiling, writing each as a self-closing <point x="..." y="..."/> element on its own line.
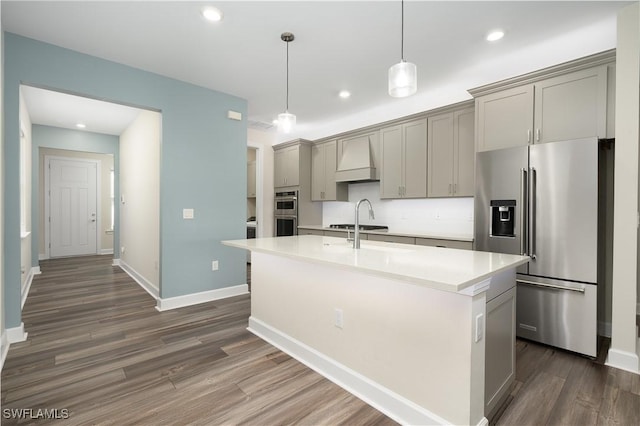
<point x="338" y="45"/>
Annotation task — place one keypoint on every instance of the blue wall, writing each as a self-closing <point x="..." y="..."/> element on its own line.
<point x="202" y="164"/>
<point x="73" y="140"/>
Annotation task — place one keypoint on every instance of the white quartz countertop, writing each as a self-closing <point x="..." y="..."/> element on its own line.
<point x="439" y="268"/>
<point x="465" y="238"/>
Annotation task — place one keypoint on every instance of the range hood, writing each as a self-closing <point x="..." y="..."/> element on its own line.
<point x="354" y="161"/>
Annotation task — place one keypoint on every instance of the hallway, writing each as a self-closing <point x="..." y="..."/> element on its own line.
<point x="98" y="348"/>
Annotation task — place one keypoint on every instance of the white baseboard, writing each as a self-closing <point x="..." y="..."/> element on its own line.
<point x="142" y="281"/>
<point x="623" y="360"/>
<point x="202" y="297"/>
<point x="9" y="336"/>
<point x="4" y="348"/>
<point x="16" y="334"/>
<point x="379" y="397"/>
<point x="27" y="285"/>
<point x="106" y="251"/>
<point x="604" y="329"/>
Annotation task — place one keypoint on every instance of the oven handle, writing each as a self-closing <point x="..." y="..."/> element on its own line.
<point x="291" y="198"/>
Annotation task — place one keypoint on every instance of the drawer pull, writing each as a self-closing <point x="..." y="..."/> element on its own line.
<point x="557" y="287"/>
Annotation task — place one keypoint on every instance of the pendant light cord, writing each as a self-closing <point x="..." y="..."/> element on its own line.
<point x="402" y="33"/>
<point x="287" y="108"/>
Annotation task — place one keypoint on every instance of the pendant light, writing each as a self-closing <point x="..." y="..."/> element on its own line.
<point x="403" y="76"/>
<point x="286" y="120"/>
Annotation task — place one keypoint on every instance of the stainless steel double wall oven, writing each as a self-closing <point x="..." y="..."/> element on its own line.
<point x="286" y="213"/>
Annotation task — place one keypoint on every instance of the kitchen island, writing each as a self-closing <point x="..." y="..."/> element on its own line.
<point x="401" y="327"/>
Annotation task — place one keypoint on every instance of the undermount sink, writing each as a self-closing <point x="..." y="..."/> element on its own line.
<point x="347" y="246"/>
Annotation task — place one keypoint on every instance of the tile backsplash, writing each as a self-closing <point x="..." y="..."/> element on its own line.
<point x="426" y="216"/>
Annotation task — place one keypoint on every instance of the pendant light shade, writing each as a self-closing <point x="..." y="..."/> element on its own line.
<point x="286" y="120"/>
<point x="403" y="76"/>
<point x="403" y="79"/>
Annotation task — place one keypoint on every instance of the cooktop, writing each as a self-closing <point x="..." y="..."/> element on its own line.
<point x="362" y="227"/>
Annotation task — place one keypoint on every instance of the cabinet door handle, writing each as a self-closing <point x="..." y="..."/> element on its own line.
<point x="528" y="135"/>
<point x="537" y="135"/>
<point x="400" y="190"/>
<point x="455" y="188"/>
<point x="449" y="188"/>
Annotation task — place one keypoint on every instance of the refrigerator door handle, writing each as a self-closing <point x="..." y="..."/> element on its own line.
<point x="554" y="286"/>
<point x="524" y="185"/>
<point x="532" y="214"/>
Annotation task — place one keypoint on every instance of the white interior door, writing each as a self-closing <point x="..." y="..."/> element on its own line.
<point x="72" y="207"/>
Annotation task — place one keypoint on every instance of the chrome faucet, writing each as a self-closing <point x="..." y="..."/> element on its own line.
<point x="356" y="231"/>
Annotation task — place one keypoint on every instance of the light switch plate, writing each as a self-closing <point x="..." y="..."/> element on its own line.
<point x="187" y="213"/>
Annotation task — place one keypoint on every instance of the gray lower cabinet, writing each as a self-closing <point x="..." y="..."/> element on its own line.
<point x="392" y="238"/>
<point x="310" y="232"/>
<point x="451" y="154"/>
<point x="434" y="242"/>
<point x="500" y="350"/>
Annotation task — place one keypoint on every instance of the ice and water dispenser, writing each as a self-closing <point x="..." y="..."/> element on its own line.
<point x="503" y="218"/>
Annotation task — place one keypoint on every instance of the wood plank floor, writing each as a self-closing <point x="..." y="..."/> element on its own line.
<point x="98" y="348"/>
<point x="556" y="387"/>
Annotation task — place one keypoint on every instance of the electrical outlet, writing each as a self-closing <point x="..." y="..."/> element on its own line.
<point x="214" y="265"/>
<point x="479" y="327"/>
<point x="187" y="213"/>
<point x="338" y="318"/>
<point x="122" y="250"/>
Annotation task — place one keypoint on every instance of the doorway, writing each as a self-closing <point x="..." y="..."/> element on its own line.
<point x="72" y="206"/>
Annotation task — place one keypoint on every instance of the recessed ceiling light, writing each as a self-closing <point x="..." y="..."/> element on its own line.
<point x="344" y="94"/>
<point x="275" y="121"/>
<point x="495" y="35"/>
<point x="81" y="125"/>
<point x="212" y="14"/>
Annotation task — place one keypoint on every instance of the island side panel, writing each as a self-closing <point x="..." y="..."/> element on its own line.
<point x="415" y="341"/>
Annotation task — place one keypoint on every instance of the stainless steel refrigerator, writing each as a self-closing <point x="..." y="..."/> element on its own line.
<point x="542" y="201"/>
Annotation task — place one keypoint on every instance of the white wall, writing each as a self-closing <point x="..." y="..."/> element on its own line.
<point x="106" y="164"/>
<point x="624" y="339"/>
<point x="431" y="216"/>
<point x="25" y="242"/>
<point x="140" y="189"/>
<point x="263" y="141"/>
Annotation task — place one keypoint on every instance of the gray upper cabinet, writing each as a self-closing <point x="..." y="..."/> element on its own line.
<point x="569" y="106"/>
<point x="323" y="174"/>
<point x="451" y="154"/>
<point x="505" y="119"/>
<point x="286" y="166"/>
<point x="572" y="106"/>
<point x="404" y="160"/>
